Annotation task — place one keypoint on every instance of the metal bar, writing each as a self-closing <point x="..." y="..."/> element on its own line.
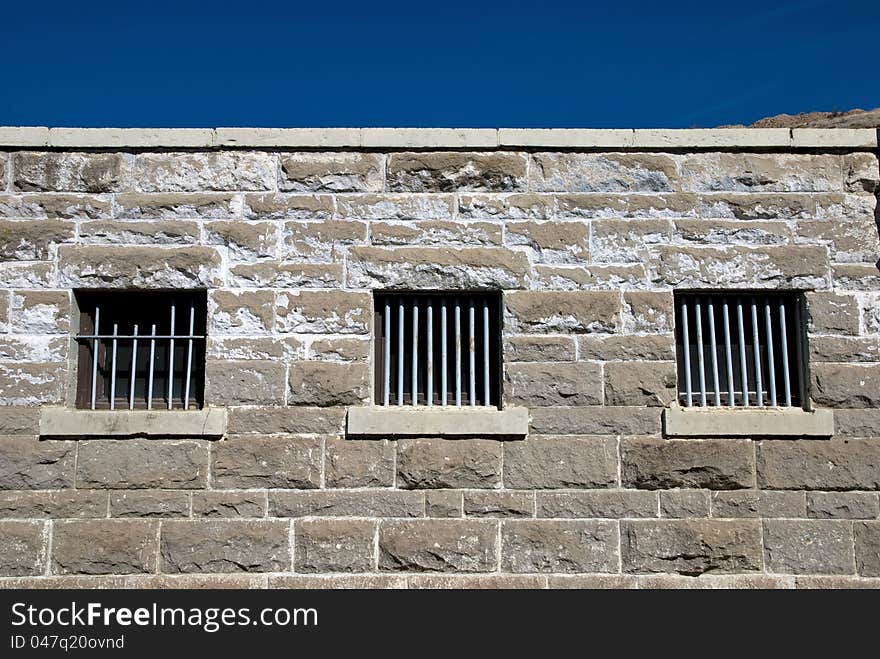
<point x="743" y="366"/>
<point x="486" y="391"/>
<point x="400" y="351"/>
<point x="152" y="361"/>
<point x="728" y="354"/>
<point x="472" y="349"/>
<point x="195" y="337"/>
<point x="95" y="356"/>
<point x="443" y="362"/>
<point x="686" y="353"/>
<point x="415" y="353"/>
<point x="771" y="362"/>
<point x="113" y="370"/>
<point x="714" y="345"/>
<point x="386" y="385"/>
<point x="756" y="346"/>
<point x="171" y="362"/>
<point x="701" y="359"/>
<point x="786" y="378"/>
<point x="134" y="357"/>
<point x="457" y="352"/>
<point x="429" y="385"/>
<point x="189" y="356"/>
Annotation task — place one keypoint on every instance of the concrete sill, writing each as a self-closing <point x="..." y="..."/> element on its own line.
<point x="751" y="422"/>
<point x="391" y="422"/>
<point x="65" y="422"/>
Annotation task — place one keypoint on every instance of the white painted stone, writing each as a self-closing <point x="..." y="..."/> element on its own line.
<point x="24" y="136"/>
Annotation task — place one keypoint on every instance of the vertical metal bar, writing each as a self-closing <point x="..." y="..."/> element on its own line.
<point x="152" y="361"/>
<point x="134" y="358"/>
<point x="443" y="361"/>
<point x="429" y="386"/>
<point x="189" y="355"/>
<point x="728" y="354"/>
<point x="701" y="359"/>
<point x="743" y="366"/>
<point x="756" y="345"/>
<point x="771" y="362"/>
<point x="171" y="362"/>
<point x="472" y="348"/>
<point x="386" y="380"/>
<point x="113" y="369"/>
<point x="457" y="352"/>
<point x="486" y="392"/>
<point x="400" y="351"/>
<point x="686" y="353"/>
<point x="95" y="355"/>
<point x="786" y="378"/>
<point x="415" y="352"/>
<point x="714" y="345"/>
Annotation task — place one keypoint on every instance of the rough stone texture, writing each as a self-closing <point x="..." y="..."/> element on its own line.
<point x="450" y="171"/>
<point x="22" y="548"/>
<point x="757" y="503"/>
<point x="723" y="464"/>
<point x="561" y="462"/>
<point x="104" y="546"/>
<point x="559" y="546"/>
<point x="843" y="505"/>
<point x="342" y="503"/>
<point x="444" y="503"/>
<point x="142" y="464"/>
<point x="867" y="548"/>
<point x="576" y="312"/>
<point x="334" y="545"/>
<point x="538" y="348"/>
<point x="839" y="464"/>
<point x="267" y="461"/>
<point x="33" y="240"/>
<point x="437" y="463"/>
<point x="614" y="172"/>
<point x="139" y="267"/>
<point x="326" y="383"/>
<point x="684" y="503"/>
<point x="691" y="546"/>
<point x="499" y="504"/>
<point x="609" y="504"/>
<point x="324" y="312"/>
<point x="438" y="545"/>
<point x="361" y="463"/>
<point x="595" y="421"/>
<point x="332" y="172"/>
<point x="197" y="172"/>
<point x="245" y="382"/>
<point x="149" y="503"/>
<point x="640" y="383"/>
<point x="18" y="504"/>
<point x="554" y="384"/>
<point x="69" y="172"/>
<point x="846" y="385"/>
<point x="808" y="547"/>
<point x="28" y="464"/>
<point x="229" y="503"/>
<point x="273" y="420"/>
<point x="225" y="546"/>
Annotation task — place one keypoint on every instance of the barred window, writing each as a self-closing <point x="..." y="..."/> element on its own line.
<point x="141" y="350"/>
<point x="740" y="349"/>
<point x="438" y="349"/>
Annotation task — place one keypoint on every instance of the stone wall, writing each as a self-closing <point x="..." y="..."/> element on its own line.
<point x="587" y="246"/>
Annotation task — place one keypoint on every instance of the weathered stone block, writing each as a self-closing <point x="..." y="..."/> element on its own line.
<point x="341" y="349"/>
<point x="437" y="268"/>
<point x="322" y="240"/>
<point x="342" y="503"/>
<point x="552" y="241"/>
<point x="22" y="548"/>
<point x="732" y="232"/>
<point x="229" y="503"/>
<point x="225" y="546"/>
<point x="246" y="241"/>
<point x="286" y="275"/>
<point x="139" y="232"/>
<point x="334" y="545"/>
<point x="648" y="312"/>
<point x="538" y="348"/>
<point x="287" y="207"/>
<point x="142" y="464"/>
<point x="477" y="582"/>
<point x="503" y="503"/>
<point x="332" y="172"/>
<point x="245" y="382"/>
<point x="69" y="172"/>
<point x="715" y="464"/>
<point x="605" y="172"/>
<point x="19" y="420"/>
<point x="33" y="240"/>
<point x="298" y="420"/>
<point x="32" y="383"/>
<point x="395" y="206"/>
<point x="684" y="503"/>
<point x="55" y="206"/>
<point x="18" y="504"/>
<point x="264" y="348"/>
<point x="844" y="349"/>
<point x="241" y="312"/>
<point x="753" y="206"/>
<point x="593" y="582"/>
<point x="846" y="385"/>
<point x="848" y="241"/>
<point x="28" y="464"/>
<point x="861" y="172"/>
<point x="856" y="276"/>
<point x="560" y="462"/>
<point x="621" y="241"/>
<point x="838" y="464"/>
<point x="361" y="463"/>
<point x="149" y="503"/>
<point x="451" y="171"/>
<point x="567" y="311"/>
<point x="832" y="313"/>
<point x="843" y="505"/>
<point x="175" y="206"/>
<point x="39" y="312"/>
<point x="324" y="312"/>
<point x="434" y="233"/>
<point x="515" y="206"/>
<point x="595" y="421"/>
<point x="443" y="503"/>
<point x="328" y="383"/>
<point x="139" y="267"/>
<point x="438" y="463"/>
<point x="266" y="461"/>
<point x="758" y="503"/>
<point x="339" y="582"/>
<point x="27" y="275"/>
<point x="438" y="545"/>
<point x="596" y="347"/>
<point x="541" y="384"/>
<point x="747" y="172"/>
<point x="559" y="546"/>
<point x="609" y="504"/>
<point x="204" y="171"/>
<point x="640" y="383"/>
<point x="857" y="423"/>
<point x="107" y="546"/>
<point x="808" y="547"/>
<point x="691" y="546"/>
<point x="867" y="548"/>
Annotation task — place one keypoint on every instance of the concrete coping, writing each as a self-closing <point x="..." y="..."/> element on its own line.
<point x="65" y="422"/>
<point x="747" y="422"/>
<point x="391" y="422"/>
<point x="439" y="138"/>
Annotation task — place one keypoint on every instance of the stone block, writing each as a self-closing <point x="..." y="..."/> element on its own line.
<point x="245" y="382"/>
<point x="205" y="171"/>
<point x="502" y="503"/>
<point x="438" y="545"/>
<point x="609" y="504"/>
<point x="559" y="546"/>
<point x="229" y="503"/>
<point x="225" y="546"/>
<point x="324" y="312"/>
<point x="360" y="463"/>
<point x="328" y="383"/>
<point x="541" y="384"/>
<point x="139" y="267"/>
<point x="106" y="546"/>
<point x="838" y="464"/>
<point x="561" y="462"/>
<point x="142" y="464"/>
<point x="581" y="312"/>
<point x="33" y="240"/>
<point x="640" y="383"/>
<point x="332" y="172"/>
<point x="808" y="547"/>
<point x="150" y="503"/>
<point x="603" y="172"/>
<point x="438" y="463"/>
<point x="70" y="172"/>
<point x="23" y="548"/>
<point x="334" y="545"/>
<point x="715" y="464"/>
<point x="452" y="171"/>
<point x="267" y="462"/>
<point x="346" y="503"/>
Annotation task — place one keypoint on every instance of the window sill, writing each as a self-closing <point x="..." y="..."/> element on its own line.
<point x="751" y="422"/>
<point x="393" y="422"/>
<point x="65" y="422"/>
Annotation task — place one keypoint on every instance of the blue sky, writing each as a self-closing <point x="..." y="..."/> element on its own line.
<point x="466" y="64"/>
